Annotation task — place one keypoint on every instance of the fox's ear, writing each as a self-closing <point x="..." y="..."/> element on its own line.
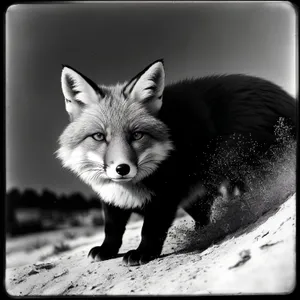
<point x="78" y="91"/>
<point x="147" y="87"/>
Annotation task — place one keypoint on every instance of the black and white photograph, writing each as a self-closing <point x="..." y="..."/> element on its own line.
<point x="150" y="148"/>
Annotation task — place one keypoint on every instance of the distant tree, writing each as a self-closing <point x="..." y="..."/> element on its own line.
<point x="77" y="202"/>
<point x="63" y="203"/>
<point x="30" y="198"/>
<point x="95" y="202"/>
<point x="48" y="200"/>
<point x="13" y="198"/>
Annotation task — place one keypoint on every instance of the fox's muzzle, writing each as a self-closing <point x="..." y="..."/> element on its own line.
<point x="120" y="160"/>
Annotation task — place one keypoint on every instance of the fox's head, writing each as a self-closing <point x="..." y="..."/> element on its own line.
<point x="114" y="133"/>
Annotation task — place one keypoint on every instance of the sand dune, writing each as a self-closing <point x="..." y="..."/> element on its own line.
<point x="257" y="259"/>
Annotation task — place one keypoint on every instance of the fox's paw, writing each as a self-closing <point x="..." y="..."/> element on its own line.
<point x="99" y="253"/>
<point x="138" y="257"/>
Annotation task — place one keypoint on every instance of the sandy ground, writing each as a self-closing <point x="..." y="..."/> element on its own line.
<point x="257" y="259"/>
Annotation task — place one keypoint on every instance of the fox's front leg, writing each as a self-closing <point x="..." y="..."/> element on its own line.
<point x="157" y="221"/>
<point x="115" y="220"/>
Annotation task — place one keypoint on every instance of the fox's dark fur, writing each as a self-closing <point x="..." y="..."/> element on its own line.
<point x="205" y="117"/>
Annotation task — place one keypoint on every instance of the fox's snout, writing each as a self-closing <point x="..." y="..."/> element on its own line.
<point x="119" y="161"/>
<point x="121" y="171"/>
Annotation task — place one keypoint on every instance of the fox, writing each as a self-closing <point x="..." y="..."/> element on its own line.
<point x="146" y="147"/>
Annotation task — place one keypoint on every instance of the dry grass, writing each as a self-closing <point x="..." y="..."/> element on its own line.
<point x="60" y="247"/>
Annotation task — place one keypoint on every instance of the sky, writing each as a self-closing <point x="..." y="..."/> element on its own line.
<point x="111" y="42"/>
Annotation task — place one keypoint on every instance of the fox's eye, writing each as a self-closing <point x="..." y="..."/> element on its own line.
<point x="137" y="135"/>
<point x="98" y="136"/>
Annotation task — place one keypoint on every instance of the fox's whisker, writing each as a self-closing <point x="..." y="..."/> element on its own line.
<point x="148" y="161"/>
<point x="89" y="170"/>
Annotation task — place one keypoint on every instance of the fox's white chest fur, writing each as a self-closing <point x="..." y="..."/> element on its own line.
<point x="125" y="195"/>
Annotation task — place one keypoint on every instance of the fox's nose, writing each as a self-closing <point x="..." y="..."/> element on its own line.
<point x="123" y="169"/>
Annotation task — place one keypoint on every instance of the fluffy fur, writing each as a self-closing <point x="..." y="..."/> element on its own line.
<point x="120" y="112"/>
<point x="183" y="144"/>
